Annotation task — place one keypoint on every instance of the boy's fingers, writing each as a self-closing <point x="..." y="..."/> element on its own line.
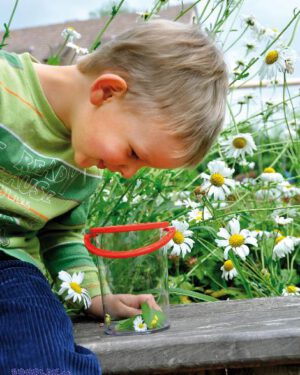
<point x="150" y="300"/>
<point x="129" y="311"/>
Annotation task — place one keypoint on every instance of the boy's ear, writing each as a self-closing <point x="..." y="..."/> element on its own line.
<point x="106" y="86"/>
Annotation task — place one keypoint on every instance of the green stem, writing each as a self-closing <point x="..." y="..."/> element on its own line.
<point x="117" y="203"/>
<point x="294" y="32"/>
<point x="7" y="26"/>
<point x="203" y="11"/>
<point x="154" y="10"/>
<point x="97" y="41"/>
<point x="244" y="281"/>
<point x="236" y="40"/>
<point x="285" y="116"/>
<point x="183" y="12"/>
<point x="296" y="206"/>
<point x="231" y="26"/>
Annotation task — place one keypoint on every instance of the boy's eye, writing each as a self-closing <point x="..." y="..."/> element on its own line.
<point x="133" y="155"/>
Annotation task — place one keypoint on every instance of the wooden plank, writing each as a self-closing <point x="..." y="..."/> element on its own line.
<point x="244" y="333"/>
<point x="278" y="370"/>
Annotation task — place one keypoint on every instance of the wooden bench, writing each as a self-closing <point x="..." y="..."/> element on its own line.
<point x="258" y="336"/>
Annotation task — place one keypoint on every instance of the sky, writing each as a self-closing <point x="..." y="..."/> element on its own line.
<point x="30" y="13"/>
<point x="273" y="13"/>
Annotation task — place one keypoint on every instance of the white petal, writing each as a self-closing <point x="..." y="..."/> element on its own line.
<point x="234" y="226"/>
<point x="64" y="276"/>
<point x="205" y="175"/>
<point x="78" y="278"/>
<point x="226" y="251"/>
<point x="223" y="233"/>
<point x="189" y="242"/>
<point x="229" y="182"/>
<point x="222" y="243"/>
<point x="251" y="241"/>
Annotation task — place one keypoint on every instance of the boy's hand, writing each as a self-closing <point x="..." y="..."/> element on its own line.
<point x="121" y="305"/>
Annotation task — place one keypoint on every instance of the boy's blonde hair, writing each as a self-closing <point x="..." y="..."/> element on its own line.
<point x="173" y="72"/>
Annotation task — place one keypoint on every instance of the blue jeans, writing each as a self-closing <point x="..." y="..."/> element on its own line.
<point x="36" y="336"/>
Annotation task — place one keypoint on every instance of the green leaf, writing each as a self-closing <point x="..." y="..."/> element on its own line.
<point x="189" y="293"/>
<point x="236" y="264"/>
<point x="149" y="315"/>
<point x="53" y="60"/>
<point x="125" y="324"/>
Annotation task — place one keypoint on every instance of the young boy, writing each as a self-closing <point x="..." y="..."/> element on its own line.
<point x="152" y="97"/>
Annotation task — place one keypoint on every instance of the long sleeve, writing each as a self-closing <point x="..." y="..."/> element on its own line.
<point x="62" y="248"/>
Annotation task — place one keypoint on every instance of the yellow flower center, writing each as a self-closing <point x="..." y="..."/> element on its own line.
<point x="228" y="265"/>
<point x="217" y="179"/>
<point x="291" y="289"/>
<point x="271" y="57"/>
<point x="184" y="299"/>
<point x="199" y="216"/>
<point x="278" y="239"/>
<point x="236" y="240"/>
<point x="76" y="287"/>
<point x="141" y="325"/>
<point x="154" y="321"/>
<point x="269" y="170"/>
<point x="178" y="238"/>
<point x="239" y="142"/>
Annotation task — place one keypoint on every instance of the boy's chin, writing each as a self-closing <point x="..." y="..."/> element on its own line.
<point x="85" y="163"/>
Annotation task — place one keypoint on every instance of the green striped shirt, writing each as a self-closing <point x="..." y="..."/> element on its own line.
<point x="43" y="194"/>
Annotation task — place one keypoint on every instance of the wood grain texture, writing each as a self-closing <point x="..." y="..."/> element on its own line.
<point x="205" y="336"/>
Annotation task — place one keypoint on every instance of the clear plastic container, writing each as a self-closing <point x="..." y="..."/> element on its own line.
<point x="131" y="260"/>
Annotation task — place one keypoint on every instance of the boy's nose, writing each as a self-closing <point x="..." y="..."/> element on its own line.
<point x="128" y="171"/>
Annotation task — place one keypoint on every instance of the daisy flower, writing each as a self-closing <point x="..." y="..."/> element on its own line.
<point x="228" y="270"/>
<point x="291" y="290"/>
<point x="79" y="50"/>
<point x="239" y="145"/>
<point x="199" y="214"/>
<point x="139" y="325"/>
<point x="270" y="175"/>
<point x="280" y="59"/>
<point x="288" y="190"/>
<point x="257" y="233"/>
<point x="250" y="45"/>
<point x="283" y="246"/>
<point x="245" y="163"/>
<point x="267" y="193"/>
<point x="282" y="220"/>
<point x="218" y="183"/>
<point x="188" y="203"/>
<point x="253" y="24"/>
<point x="71" y="284"/>
<point x="269" y="33"/>
<point x="70" y="34"/>
<point x="249" y="20"/>
<point x="235" y="239"/>
<point x="145" y="15"/>
<point x="181" y="242"/>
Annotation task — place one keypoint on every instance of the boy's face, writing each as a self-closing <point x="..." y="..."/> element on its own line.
<point x="109" y="136"/>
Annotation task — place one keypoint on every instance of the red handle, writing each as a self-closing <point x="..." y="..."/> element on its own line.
<point x="128" y="228"/>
